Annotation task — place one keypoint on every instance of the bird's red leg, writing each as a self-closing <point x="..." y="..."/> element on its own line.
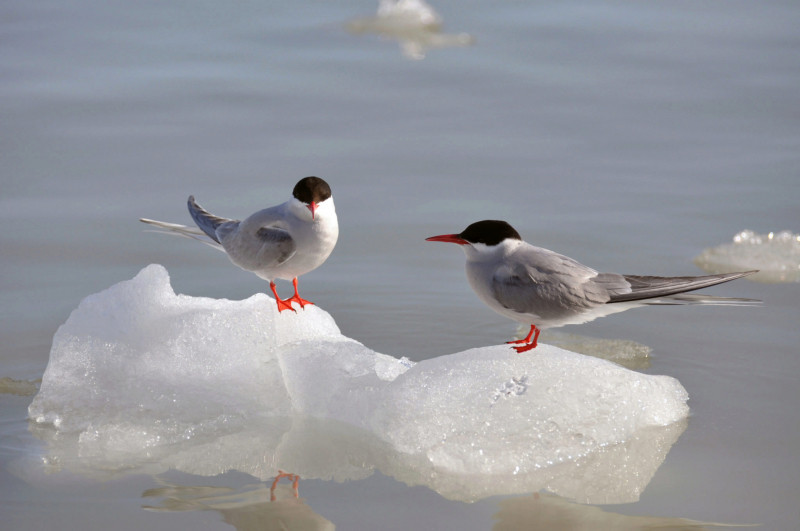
<point x="527" y="338"/>
<point x="282" y="305"/>
<point x="281" y="474"/>
<point x="296" y="297"/>
<point x="527" y="344"/>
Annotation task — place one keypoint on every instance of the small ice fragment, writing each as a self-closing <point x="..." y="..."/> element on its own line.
<point x="776" y="255"/>
<point x="414" y="24"/>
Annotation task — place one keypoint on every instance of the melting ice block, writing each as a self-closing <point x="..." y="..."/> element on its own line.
<point x="139" y="375"/>
<point x="776" y="255"/>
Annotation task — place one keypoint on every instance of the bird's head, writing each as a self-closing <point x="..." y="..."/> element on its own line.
<point x="485" y="237"/>
<point x="314" y="194"/>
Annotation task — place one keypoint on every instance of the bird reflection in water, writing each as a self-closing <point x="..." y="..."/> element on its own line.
<point x="294" y="478"/>
<point x="250" y="508"/>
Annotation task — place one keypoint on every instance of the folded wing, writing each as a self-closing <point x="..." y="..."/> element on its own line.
<point x="651" y="287"/>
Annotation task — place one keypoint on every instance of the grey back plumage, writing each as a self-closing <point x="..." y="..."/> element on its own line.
<point x="546" y="283"/>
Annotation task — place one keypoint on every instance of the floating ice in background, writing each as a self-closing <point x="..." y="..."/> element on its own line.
<point x="413" y="23"/>
<point x="775" y="255"/>
<point x="143" y="379"/>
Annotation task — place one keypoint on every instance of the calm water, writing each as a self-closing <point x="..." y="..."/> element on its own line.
<point x="629" y="136"/>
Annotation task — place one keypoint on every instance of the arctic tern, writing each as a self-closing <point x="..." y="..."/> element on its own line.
<point x="283" y="241"/>
<point x="544" y="289"/>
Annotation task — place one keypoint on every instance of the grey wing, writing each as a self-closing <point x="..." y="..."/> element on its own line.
<point x="259" y="241"/>
<point x="649" y="287"/>
<point x="547" y="284"/>
<point x="276" y="244"/>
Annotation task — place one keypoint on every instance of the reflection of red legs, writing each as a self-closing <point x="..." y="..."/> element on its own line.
<point x="527" y="344"/>
<point x="281" y="474"/>
<point x="296" y="297"/>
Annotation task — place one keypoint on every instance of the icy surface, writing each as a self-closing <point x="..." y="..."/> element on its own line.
<point x="776" y="255"/>
<point x="142" y="378"/>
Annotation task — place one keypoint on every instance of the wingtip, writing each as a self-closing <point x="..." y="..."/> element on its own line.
<point x="733" y="275"/>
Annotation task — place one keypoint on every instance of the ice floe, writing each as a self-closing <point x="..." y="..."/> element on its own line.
<point x="143" y="379"/>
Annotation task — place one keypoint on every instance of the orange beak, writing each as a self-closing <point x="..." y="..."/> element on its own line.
<point x="312" y="207"/>
<point x="448" y="238"/>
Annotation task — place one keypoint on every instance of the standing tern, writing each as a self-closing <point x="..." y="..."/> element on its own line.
<point x="283" y="241"/>
<point x="544" y="289"/>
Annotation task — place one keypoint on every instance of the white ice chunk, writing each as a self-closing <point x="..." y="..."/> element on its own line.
<point x="776" y="255"/>
<point x="561" y="406"/>
<point x="141" y="377"/>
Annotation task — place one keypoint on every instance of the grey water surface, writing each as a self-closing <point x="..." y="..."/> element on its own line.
<point x="628" y="135"/>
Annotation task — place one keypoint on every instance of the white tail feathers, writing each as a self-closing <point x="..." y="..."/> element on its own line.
<point x="175" y="229"/>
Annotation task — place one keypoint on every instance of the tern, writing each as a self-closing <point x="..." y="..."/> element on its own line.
<point x="283" y="241"/>
<point x="544" y="289"/>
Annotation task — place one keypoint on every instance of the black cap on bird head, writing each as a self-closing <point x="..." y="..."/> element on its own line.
<point x="489" y="232"/>
<point x="311" y="189"/>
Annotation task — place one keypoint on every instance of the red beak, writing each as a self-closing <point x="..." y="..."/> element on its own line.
<point x="312" y="207"/>
<point x="449" y="238"/>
